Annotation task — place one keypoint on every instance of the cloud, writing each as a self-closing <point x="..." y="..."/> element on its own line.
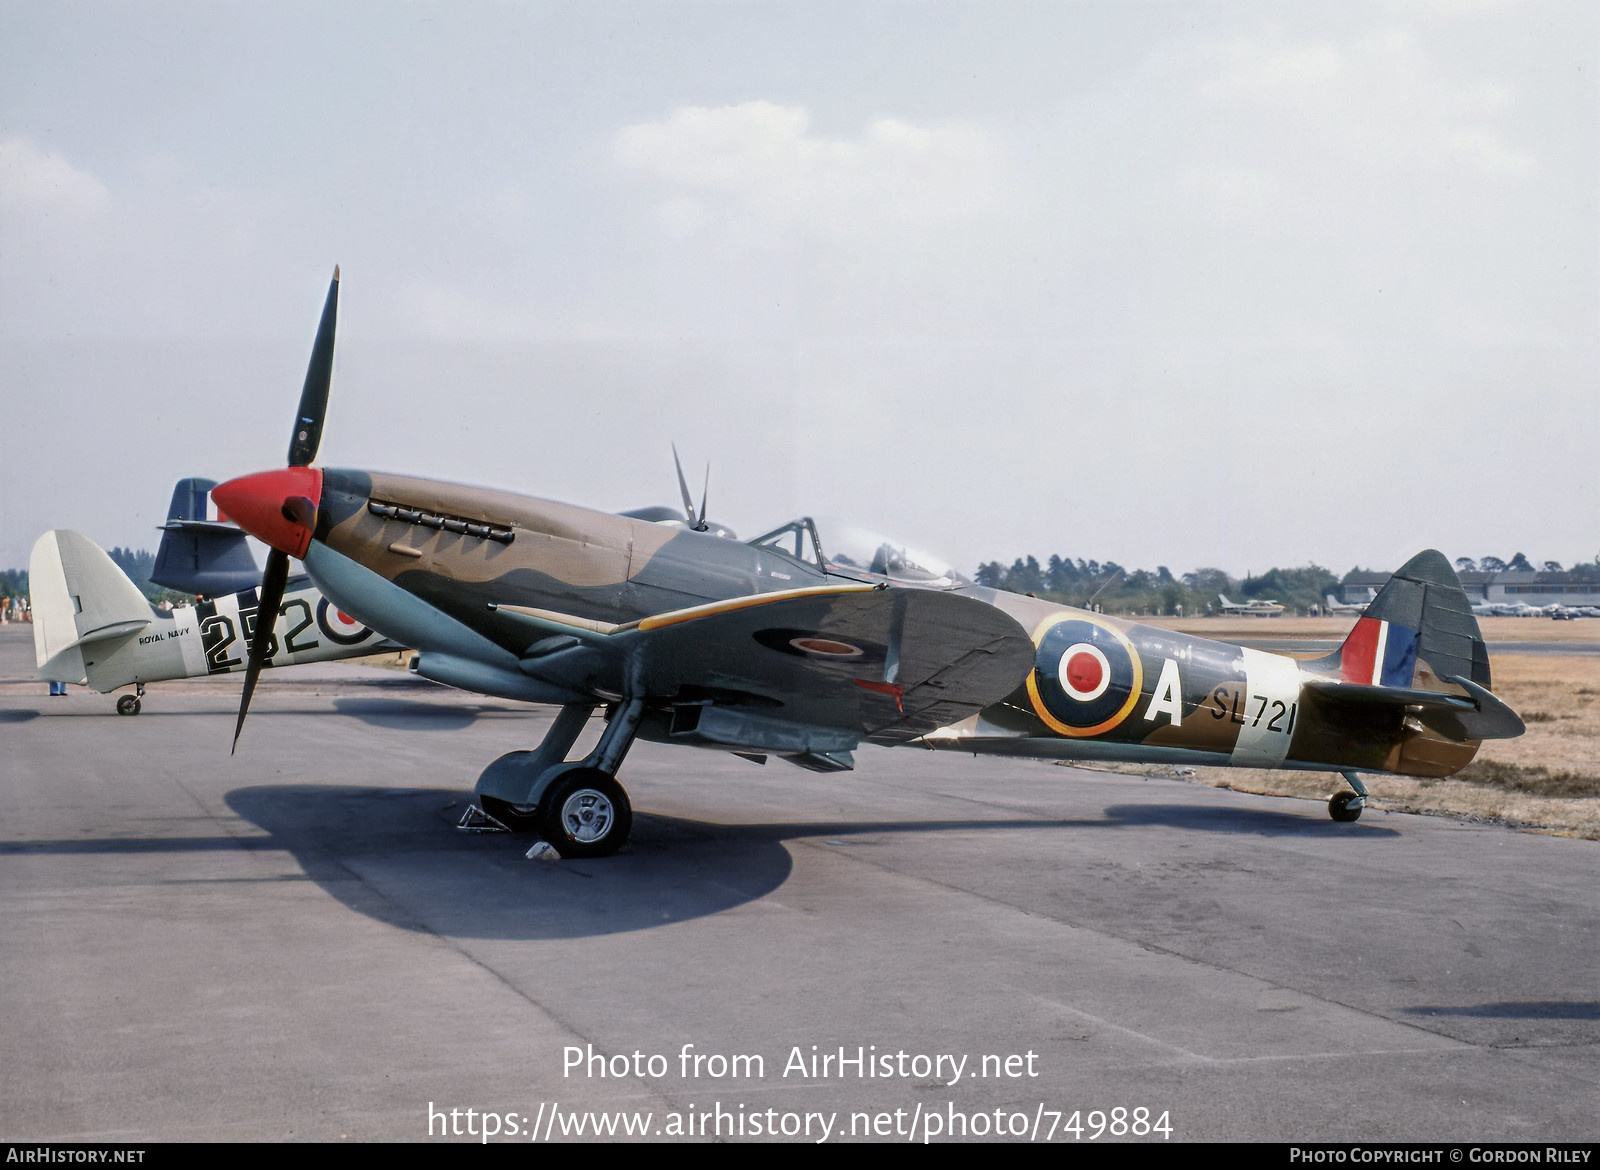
<point x="1380" y="99"/>
<point x="764" y="161"/>
<point x="33" y="182"/>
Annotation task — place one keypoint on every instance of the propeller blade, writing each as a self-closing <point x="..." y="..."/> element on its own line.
<point x="269" y="598"/>
<point x="683" y="487"/>
<point x="307" y="435"/>
<point x="705" y="494"/>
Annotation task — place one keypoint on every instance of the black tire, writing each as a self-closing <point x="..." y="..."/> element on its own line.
<point x="128" y="705"/>
<point x="1339" y="807"/>
<point x="513" y="817"/>
<point x="586" y="814"/>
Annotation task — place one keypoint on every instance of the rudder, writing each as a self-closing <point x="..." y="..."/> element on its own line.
<point x="1417" y="632"/>
<point x="79" y="596"/>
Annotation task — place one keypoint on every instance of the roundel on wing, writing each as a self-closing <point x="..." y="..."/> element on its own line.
<point x="1086" y="677"/>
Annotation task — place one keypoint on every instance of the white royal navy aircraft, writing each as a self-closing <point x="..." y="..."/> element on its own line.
<point x="93" y="627"/>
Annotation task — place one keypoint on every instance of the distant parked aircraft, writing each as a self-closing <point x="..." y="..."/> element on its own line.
<point x="1334" y="605"/>
<point x="1255" y="608"/>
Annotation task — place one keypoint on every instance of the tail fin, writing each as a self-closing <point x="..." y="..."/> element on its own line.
<point x="79" y="597"/>
<point x="1417" y="632"/>
<point x="200" y="552"/>
<point x="1416" y="651"/>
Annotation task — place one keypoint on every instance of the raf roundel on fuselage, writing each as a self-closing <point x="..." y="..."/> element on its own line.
<point x="1086" y="678"/>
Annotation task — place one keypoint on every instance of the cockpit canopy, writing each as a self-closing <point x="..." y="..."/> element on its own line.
<point x="797" y="539"/>
<point x="853" y="549"/>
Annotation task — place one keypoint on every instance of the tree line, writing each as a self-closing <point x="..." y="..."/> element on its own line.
<point x="138" y="564"/>
<point x="1140" y="592"/>
<point x="1115" y="589"/>
<point x="1521" y="564"/>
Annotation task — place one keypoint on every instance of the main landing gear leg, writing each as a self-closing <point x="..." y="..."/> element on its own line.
<point x="577" y="806"/>
<point x="1347" y="806"/>
<point x="584" y="811"/>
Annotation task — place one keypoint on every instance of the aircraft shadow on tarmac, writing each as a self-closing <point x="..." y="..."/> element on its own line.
<point x="390" y="714"/>
<point x="1260" y="822"/>
<point x="1533" y="1009"/>
<point x="417" y="715"/>
<point x="396" y="856"/>
<point x="419" y="872"/>
<point x="416" y="871"/>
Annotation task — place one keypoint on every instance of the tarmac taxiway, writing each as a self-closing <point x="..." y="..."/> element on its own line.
<point x="297" y="943"/>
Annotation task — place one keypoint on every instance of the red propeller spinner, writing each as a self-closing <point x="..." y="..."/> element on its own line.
<point x="278" y="508"/>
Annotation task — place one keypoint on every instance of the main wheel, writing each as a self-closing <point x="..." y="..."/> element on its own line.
<point x="586" y="814"/>
<point x="1339" y="807"/>
<point x="128" y="705"/>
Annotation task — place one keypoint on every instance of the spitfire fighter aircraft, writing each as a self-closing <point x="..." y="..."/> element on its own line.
<point x="769" y="648"/>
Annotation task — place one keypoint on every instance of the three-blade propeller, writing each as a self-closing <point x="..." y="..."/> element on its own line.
<point x="303" y="443"/>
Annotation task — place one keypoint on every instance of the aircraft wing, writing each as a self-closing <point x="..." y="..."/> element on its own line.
<point x="890" y="664"/>
<point x="886" y="664"/>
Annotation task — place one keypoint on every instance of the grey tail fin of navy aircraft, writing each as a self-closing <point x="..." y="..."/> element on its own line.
<point x="202" y="552"/>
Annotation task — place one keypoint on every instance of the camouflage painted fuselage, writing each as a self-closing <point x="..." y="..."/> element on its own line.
<point x="466" y="575"/>
<point x="1175" y="698"/>
<point x="463" y="549"/>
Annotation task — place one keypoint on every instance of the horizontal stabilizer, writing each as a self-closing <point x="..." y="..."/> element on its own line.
<point x="1478" y="714"/>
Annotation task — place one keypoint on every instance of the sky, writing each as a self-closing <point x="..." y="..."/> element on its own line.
<point x="1199" y="284"/>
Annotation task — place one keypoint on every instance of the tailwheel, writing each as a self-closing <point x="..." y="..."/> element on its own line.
<point x="128" y="705"/>
<point x="1345" y="806"/>
<point x="586" y="813"/>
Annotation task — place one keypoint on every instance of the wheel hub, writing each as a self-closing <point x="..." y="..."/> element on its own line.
<point x="587" y="815"/>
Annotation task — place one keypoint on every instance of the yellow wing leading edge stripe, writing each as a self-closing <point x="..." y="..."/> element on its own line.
<point x="679" y="616"/>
